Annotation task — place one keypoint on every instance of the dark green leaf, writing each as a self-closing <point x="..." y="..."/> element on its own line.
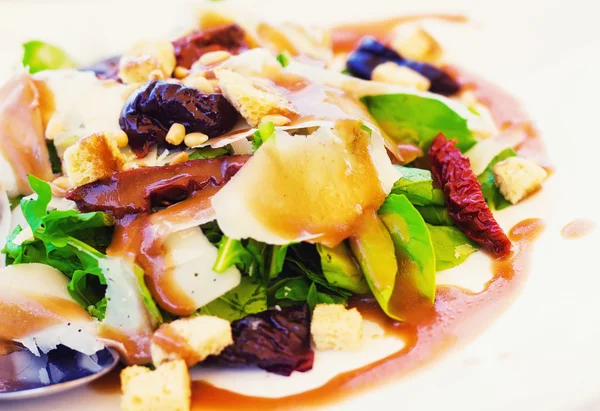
<point x="249" y="297"/>
<point x="435" y="215"/>
<point x="490" y="191"/>
<point x="39" y="56"/>
<point x="54" y="159"/>
<point x="417" y="120"/>
<point x="232" y="252"/>
<point x="417" y="185"/>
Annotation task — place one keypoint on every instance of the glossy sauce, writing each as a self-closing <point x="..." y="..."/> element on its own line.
<point x="458" y="316"/>
<point x="133" y="348"/>
<point x="23" y="315"/>
<point x="577" y="229"/>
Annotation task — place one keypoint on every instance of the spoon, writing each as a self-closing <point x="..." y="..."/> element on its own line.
<point x="25" y="376"/>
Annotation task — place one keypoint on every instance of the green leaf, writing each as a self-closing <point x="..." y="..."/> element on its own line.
<point x="435" y="215"/>
<point x="341" y="269"/>
<point x="39" y="56"/>
<point x="284" y="59"/>
<point x="249" y="297"/>
<point x="418" y="120"/>
<point x="414" y="253"/>
<point x="417" y="185"/>
<point x="232" y="252"/>
<point x="265" y="131"/>
<point x="451" y="246"/>
<point x="209" y="152"/>
<point x="490" y="191"/>
<point x="14" y="202"/>
<point x="316" y="297"/>
<point x="295" y="289"/>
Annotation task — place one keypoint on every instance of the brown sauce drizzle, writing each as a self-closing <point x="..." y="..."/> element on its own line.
<point x="23" y="315"/>
<point x="458" y="316"/>
<point x="347" y="36"/>
<point x="173" y="343"/>
<point x="133" y="348"/>
<point x="577" y="229"/>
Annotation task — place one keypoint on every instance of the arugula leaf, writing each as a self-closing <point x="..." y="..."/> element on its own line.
<point x="249" y="297"/>
<point x="39" y="56"/>
<point x="315" y="297"/>
<point x="209" y="152"/>
<point x="490" y="191"/>
<point x="417" y="185"/>
<point x="265" y="131"/>
<point x="284" y="59"/>
<point x="295" y="289"/>
<point x="58" y="241"/>
<point x="435" y="215"/>
<point x="451" y="246"/>
<point x="418" y="120"/>
<point x="232" y="252"/>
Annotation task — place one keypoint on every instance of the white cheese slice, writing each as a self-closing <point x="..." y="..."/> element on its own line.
<point x="83" y="105"/>
<point x="47" y="308"/>
<point x="311" y="185"/>
<point x="482" y="153"/>
<point x="191" y="258"/>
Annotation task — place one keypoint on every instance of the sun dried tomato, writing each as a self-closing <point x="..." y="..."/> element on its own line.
<point x="190" y="48"/>
<point x="138" y="190"/>
<point x="275" y="340"/>
<point x="465" y="202"/>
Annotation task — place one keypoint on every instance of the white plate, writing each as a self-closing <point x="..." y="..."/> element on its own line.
<point x="542" y="353"/>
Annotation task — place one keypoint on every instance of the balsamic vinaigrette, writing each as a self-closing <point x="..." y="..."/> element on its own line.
<point x="577" y="229"/>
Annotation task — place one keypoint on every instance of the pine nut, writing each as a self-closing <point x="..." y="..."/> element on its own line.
<point x="180" y="158"/>
<point x="180" y="72"/>
<point x="156" y="75"/>
<point x="62" y="182"/>
<point x="120" y="138"/>
<point x="176" y="134"/>
<point x="214" y="57"/>
<point x="277" y="119"/>
<point x="195" y="139"/>
<point x="200" y="83"/>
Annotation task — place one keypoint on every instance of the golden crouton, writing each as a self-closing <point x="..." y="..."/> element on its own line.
<point x="333" y="327"/>
<point x="393" y="73"/>
<point x="91" y="159"/>
<point x="166" y="389"/>
<point x="252" y="98"/>
<point x="517" y="178"/>
<point x="411" y="41"/>
<point x="144" y="58"/>
<point x="190" y="339"/>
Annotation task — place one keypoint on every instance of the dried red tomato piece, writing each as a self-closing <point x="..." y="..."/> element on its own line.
<point x="138" y="190"/>
<point x="190" y="48"/>
<point x="465" y="202"/>
<point x="275" y="340"/>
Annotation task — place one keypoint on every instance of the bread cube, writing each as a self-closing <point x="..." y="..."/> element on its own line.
<point x="517" y="178"/>
<point x="333" y="327"/>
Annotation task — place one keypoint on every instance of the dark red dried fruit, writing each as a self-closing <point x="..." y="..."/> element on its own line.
<point x="465" y="202"/>
<point x="154" y="107"/>
<point x="275" y="340"/>
<point x="190" y="48"/>
<point x="137" y="190"/>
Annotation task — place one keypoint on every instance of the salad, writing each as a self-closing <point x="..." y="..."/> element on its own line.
<point x="248" y="194"/>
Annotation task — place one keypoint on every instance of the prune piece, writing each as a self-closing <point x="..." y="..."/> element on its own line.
<point x="153" y="108"/>
<point x="275" y="340"/>
<point x="190" y="48"/>
<point x="371" y="53"/>
<point x="106" y="69"/>
<point x="137" y="190"/>
<point x="465" y="202"/>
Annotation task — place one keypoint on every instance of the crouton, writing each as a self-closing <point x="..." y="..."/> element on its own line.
<point x="144" y="58"/>
<point x="252" y="98"/>
<point x="411" y="41"/>
<point x="167" y="388"/>
<point x="393" y="73"/>
<point x="517" y="178"/>
<point x="334" y="327"/>
<point x="91" y="159"/>
<point x="190" y="339"/>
